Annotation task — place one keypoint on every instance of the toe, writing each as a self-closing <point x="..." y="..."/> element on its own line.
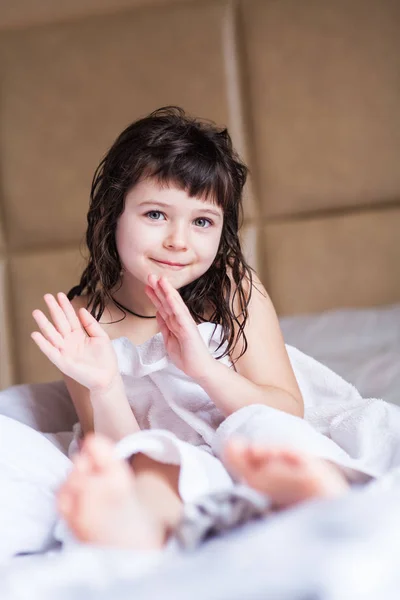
<point x="235" y="447"/>
<point x="82" y="463"/>
<point x="99" y="452"/>
<point x="65" y="503"/>
<point x="236" y="455"/>
<point x="260" y="454"/>
<point x="74" y="482"/>
<point x="293" y="458"/>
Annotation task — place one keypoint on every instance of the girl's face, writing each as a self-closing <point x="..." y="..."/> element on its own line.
<point x="166" y="232"/>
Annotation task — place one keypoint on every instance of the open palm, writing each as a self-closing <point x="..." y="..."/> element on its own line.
<point x="182" y="338"/>
<point x="75" y="343"/>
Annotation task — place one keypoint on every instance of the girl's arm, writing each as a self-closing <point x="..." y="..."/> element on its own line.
<point x="103" y="410"/>
<point x="81" y="349"/>
<point x="80" y="397"/>
<point x="231" y="390"/>
<point x="263" y="374"/>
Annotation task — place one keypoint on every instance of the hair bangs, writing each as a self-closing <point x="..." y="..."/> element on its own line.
<point x="202" y="179"/>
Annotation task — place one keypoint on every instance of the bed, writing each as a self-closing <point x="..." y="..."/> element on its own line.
<point x="332" y="550"/>
<point x="362" y="345"/>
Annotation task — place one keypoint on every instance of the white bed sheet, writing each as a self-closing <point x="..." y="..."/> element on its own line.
<point x="361" y="345"/>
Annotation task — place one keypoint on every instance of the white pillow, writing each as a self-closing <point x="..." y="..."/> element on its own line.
<point x="46" y="407"/>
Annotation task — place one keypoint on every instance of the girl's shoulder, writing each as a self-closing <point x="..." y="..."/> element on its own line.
<point x="255" y="313"/>
<point x="83" y="301"/>
<point x="80" y="302"/>
<point x="252" y="289"/>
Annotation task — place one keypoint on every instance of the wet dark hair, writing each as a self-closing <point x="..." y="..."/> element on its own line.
<point x="193" y="155"/>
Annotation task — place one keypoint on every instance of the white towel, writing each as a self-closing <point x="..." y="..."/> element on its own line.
<point x="357" y="434"/>
<point x="362" y="434"/>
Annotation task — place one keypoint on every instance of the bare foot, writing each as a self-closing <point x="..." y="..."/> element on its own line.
<point x="100" y="504"/>
<point x="286" y="476"/>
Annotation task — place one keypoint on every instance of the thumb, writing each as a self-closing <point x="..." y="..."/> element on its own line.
<point x="89" y="323"/>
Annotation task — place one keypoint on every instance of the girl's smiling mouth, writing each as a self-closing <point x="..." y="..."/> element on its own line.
<point x="168" y="264"/>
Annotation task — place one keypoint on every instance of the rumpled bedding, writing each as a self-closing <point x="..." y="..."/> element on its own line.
<point x="327" y="549"/>
<point x="324" y="550"/>
<point x="362" y="435"/>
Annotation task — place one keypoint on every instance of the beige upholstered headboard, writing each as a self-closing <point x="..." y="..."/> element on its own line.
<point x="310" y="91"/>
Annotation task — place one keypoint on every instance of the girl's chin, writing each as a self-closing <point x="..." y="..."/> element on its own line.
<point x="177" y="277"/>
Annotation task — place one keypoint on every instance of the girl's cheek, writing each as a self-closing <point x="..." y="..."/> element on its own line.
<point x="151" y="234"/>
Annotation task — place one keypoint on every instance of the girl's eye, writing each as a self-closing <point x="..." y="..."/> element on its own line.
<point x="202" y="222"/>
<point x="155" y="215"/>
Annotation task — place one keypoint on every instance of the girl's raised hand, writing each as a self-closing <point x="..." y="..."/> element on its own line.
<point x="182" y="339"/>
<point x="75" y="344"/>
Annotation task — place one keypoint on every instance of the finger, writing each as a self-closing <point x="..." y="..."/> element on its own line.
<point x="153" y="296"/>
<point x="57" y="315"/>
<point x="173" y="302"/>
<point x="170" y="299"/>
<point x="48" y="330"/>
<point x="163" y="326"/>
<point x="168" y="314"/>
<point x="156" y="301"/>
<point x="159" y="292"/>
<point x="170" y="293"/>
<point x="168" y="309"/>
<point x="69" y="311"/>
<point x="152" y="280"/>
<point x="52" y="353"/>
<point x="166" y="284"/>
<point x="90" y="325"/>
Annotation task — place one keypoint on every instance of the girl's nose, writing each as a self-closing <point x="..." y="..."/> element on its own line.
<point x="176" y="239"/>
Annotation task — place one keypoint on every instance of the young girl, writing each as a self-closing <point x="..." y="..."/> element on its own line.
<point x="171" y="344"/>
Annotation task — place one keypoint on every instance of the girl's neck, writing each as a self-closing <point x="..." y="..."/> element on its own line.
<point x="132" y="295"/>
